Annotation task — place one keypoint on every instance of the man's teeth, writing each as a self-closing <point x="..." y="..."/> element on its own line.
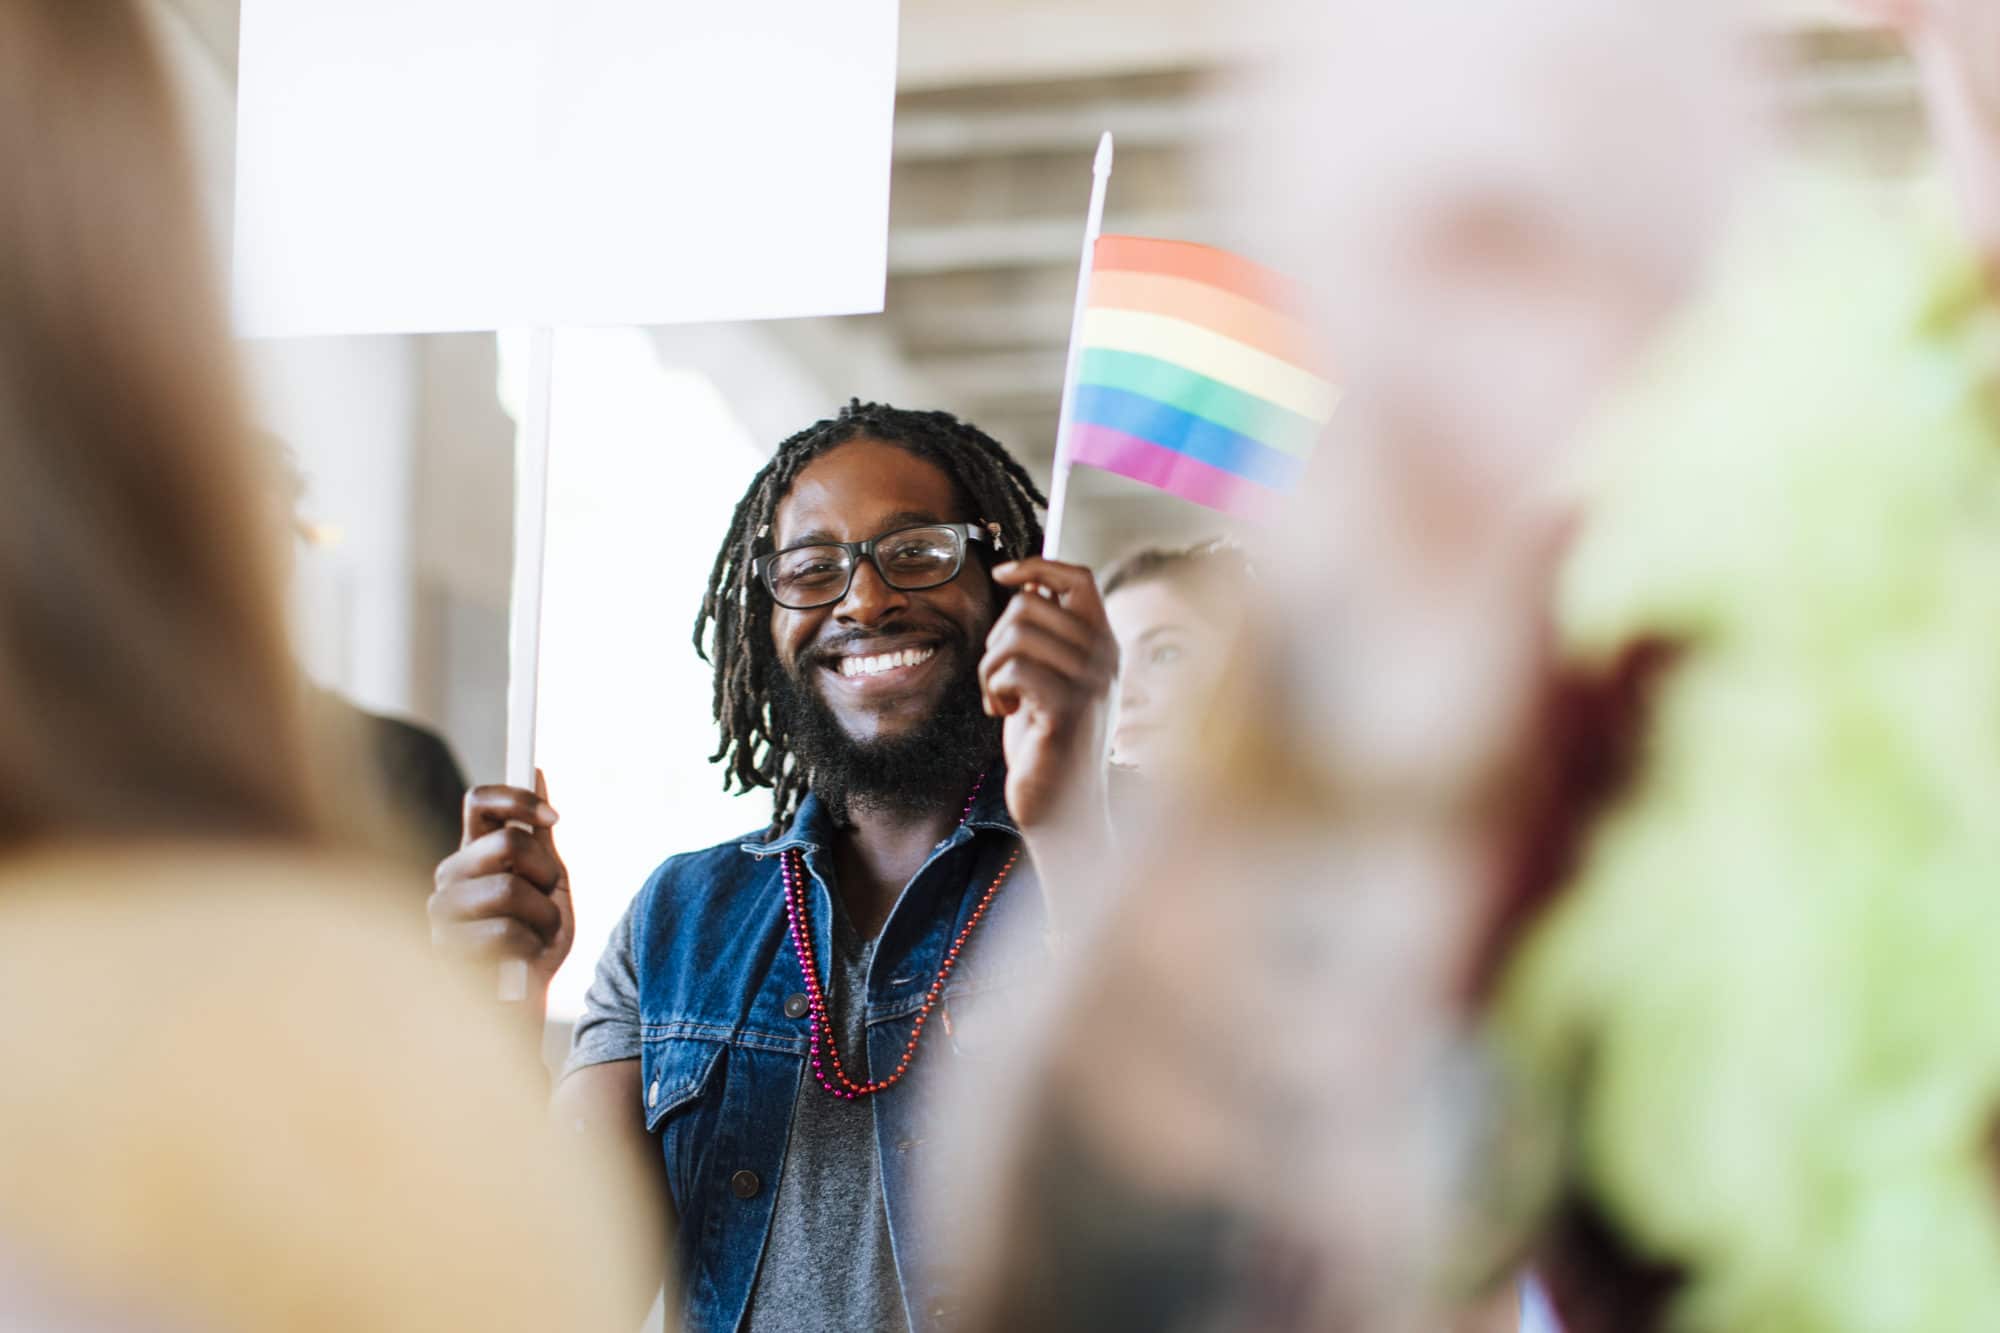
<point x="880" y="662"/>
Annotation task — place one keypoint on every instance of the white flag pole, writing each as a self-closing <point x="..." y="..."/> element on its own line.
<point x="531" y="515"/>
<point x="1059" y="487"/>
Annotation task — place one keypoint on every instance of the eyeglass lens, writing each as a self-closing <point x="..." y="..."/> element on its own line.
<point x="909" y="560"/>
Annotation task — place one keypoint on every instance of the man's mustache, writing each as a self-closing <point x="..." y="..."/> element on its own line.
<point x="852" y="642"/>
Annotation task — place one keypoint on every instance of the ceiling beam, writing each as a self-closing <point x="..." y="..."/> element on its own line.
<point x="1020" y="243"/>
<point x="997" y="375"/>
<point x="953" y="43"/>
<point x="984" y="327"/>
<point x="930" y="136"/>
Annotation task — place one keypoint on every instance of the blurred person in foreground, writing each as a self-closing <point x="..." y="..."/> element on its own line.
<point x="1175" y="611"/>
<point x="1265" y="1104"/>
<point x="1762" y="1006"/>
<point x="419" y="785"/>
<point x="237" y="1095"/>
<point x="932" y="729"/>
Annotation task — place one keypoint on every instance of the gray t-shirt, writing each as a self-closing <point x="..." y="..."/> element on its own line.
<point x="828" y="1266"/>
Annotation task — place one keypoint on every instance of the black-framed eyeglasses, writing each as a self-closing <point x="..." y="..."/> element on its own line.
<point x="800" y="578"/>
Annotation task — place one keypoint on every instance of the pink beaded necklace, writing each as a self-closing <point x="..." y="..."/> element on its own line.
<point x="792" y="867"/>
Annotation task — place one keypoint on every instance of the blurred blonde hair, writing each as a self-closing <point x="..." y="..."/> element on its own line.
<point x="237" y="1111"/>
<point x="146" y="687"/>
<point x="248" y="1097"/>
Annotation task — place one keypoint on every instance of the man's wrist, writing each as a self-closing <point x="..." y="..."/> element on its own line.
<point x="1075" y="860"/>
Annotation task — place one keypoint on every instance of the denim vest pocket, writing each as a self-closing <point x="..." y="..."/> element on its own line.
<point x="678" y="1073"/>
<point x="722" y="1117"/>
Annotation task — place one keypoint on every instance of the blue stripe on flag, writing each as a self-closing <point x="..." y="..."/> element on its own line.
<point x="1197" y="437"/>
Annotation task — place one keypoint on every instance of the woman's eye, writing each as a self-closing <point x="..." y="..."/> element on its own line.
<point x="1166" y="654"/>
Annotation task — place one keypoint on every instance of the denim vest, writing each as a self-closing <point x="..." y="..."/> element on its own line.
<point x="725" y="1035"/>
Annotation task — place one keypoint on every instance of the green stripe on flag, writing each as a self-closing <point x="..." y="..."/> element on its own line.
<point x="1197" y="395"/>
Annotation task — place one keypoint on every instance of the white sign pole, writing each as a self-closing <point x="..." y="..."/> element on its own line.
<point x="524" y="648"/>
<point x="524" y="209"/>
<point x="1059" y="485"/>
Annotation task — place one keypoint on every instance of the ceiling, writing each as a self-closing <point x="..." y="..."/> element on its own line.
<point x="1000" y="107"/>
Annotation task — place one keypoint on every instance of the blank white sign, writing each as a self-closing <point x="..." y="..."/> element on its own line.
<point x="408" y="166"/>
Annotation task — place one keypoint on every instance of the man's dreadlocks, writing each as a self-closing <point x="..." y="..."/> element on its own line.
<point x="753" y="749"/>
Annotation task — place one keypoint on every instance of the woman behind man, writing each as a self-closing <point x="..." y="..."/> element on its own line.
<point x="1175" y="612"/>
<point x="236" y="1096"/>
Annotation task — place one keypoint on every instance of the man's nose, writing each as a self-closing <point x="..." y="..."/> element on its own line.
<point x="869" y="597"/>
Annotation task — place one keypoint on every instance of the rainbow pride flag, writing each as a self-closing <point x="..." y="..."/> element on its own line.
<point x="1193" y="377"/>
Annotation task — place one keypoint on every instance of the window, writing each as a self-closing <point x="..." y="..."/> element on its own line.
<point x="646" y="463"/>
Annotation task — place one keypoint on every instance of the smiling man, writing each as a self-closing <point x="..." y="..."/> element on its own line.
<point x="923" y="695"/>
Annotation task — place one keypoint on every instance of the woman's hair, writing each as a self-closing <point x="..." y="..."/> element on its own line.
<point x="146" y="685"/>
<point x="1211" y="568"/>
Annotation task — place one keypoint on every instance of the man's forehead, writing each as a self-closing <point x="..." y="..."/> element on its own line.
<point x="855" y="490"/>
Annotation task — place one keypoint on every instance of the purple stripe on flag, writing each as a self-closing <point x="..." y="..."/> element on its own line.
<point x="1176" y="473"/>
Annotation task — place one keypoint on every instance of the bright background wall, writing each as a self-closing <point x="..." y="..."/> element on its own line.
<point x="406" y="442"/>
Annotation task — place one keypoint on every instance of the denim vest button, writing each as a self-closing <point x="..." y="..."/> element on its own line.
<point x="796" y="1006"/>
<point x="653" y="1094"/>
<point x="744" y="1184"/>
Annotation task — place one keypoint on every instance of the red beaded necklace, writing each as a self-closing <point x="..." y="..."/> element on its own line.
<point x="792" y="867"/>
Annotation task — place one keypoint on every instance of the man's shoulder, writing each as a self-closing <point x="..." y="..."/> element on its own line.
<point x="708" y="877"/>
<point x="706" y="904"/>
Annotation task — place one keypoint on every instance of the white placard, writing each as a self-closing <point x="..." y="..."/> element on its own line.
<point x="414" y="166"/>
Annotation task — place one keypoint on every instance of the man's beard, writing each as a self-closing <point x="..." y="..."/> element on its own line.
<point x="931" y="765"/>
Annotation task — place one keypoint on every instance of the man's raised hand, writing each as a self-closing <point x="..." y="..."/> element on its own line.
<point x="504" y="894"/>
<point x="1050" y="668"/>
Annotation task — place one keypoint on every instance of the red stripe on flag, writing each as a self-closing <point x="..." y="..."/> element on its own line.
<point x="1196" y="263"/>
<point x="1170" y="471"/>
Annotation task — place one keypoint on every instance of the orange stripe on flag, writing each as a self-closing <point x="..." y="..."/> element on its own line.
<point x="1196" y="263"/>
<point x="1224" y="311"/>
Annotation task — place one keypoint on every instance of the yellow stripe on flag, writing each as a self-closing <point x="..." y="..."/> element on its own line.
<point x="1207" y="353"/>
<point x="1213" y="308"/>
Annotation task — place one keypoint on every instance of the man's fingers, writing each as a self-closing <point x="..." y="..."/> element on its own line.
<point x="1074" y="586"/>
<point x="566" y="916"/>
<point x="489" y="941"/>
<point x="1017" y="681"/>
<point x="1058" y="620"/>
<point x="1075" y="667"/>
<point x="498" y="897"/>
<point x="531" y="856"/>
<point x="494" y="807"/>
<point x="506" y="850"/>
<point x="1072" y="652"/>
